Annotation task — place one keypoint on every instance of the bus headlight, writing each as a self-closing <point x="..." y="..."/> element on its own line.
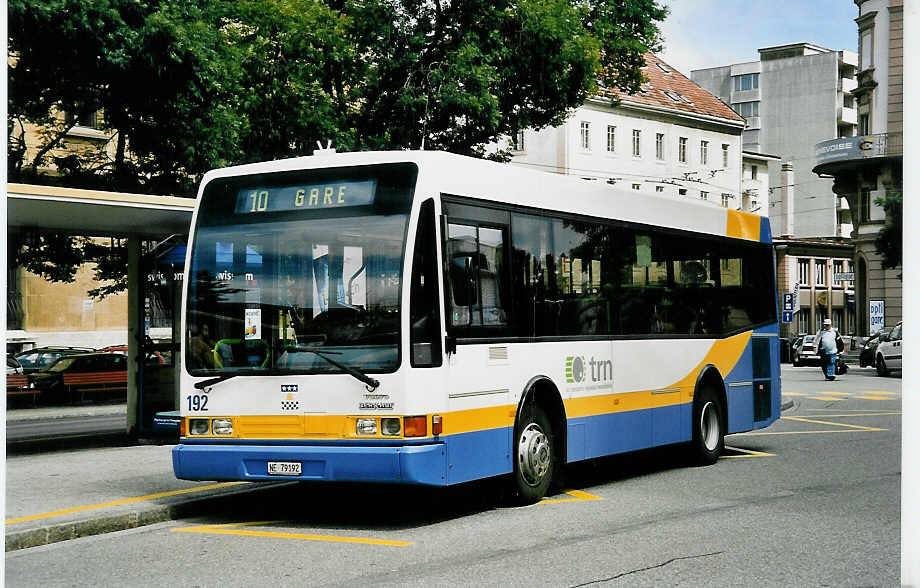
<point x="367" y="427"/>
<point x="198" y="426"/>
<point x="389" y="427"/>
<point x="222" y="426"/>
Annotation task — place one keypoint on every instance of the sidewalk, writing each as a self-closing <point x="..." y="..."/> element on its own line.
<point x="68" y="494"/>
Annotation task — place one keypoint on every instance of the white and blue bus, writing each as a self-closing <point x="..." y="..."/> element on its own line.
<point x="427" y="318"/>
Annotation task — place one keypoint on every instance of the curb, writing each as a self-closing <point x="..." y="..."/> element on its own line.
<point x="111" y="523"/>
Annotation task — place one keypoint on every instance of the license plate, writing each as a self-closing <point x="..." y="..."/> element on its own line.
<point x="284" y="468"/>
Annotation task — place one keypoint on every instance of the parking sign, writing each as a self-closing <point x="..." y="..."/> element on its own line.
<point x="788" y="302"/>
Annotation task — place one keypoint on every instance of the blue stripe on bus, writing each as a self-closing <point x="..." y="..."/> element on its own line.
<point x="765" y="234"/>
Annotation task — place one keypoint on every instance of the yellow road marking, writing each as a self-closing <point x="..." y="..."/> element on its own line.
<point x="232" y="529"/>
<point x="827" y="398"/>
<point x="577" y="496"/>
<point x="805" y="432"/>
<point x="804" y="420"/>
<point x="57" y="513"/>
<point x="749" y="452"/>
<point x="873" y="398"/>
<point x="856" y="414"/>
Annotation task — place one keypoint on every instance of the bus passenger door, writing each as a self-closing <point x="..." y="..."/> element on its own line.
<point x="477" y="305"/>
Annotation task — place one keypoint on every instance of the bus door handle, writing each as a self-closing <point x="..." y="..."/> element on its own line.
<point x="450" y="344"/>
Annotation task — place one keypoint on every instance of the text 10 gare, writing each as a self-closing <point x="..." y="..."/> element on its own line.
<point x="305" y="197"/>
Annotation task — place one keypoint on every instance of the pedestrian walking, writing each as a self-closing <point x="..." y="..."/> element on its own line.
<point x="827" y="348"/>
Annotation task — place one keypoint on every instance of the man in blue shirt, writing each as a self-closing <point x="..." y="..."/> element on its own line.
<point x="828" y="348"/>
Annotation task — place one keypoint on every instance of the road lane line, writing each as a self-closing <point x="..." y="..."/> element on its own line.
<point x="57" y="513"/>
<point x="807" y="432"/>
<point x="832" y="423"/>
<point x="577" y="496"/>
<point x="749" y="452"/>
<point x="227" y="530"/>
<point x="827" y="398"/>
<point x="874" y="398"/>
<point x="857" y="414"/>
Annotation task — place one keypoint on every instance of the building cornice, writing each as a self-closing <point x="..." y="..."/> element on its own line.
<point x="866" y="20"/>
<point x="673" y="112"/>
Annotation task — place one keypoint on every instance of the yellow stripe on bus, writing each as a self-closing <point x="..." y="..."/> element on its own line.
<point x="742" y="225"/>
<point x="724" y="354"/>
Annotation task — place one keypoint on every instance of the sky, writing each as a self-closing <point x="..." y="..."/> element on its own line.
<point x="710" y="33"/>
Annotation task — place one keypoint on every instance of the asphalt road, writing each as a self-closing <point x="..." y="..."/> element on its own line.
<point x="812" y="501"/>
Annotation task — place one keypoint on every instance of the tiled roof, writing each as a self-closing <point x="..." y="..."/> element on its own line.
<point x="668" y="88"/>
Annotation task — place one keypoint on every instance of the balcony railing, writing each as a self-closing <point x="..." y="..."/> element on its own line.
<point x="846" y="85"/>
<point x="859" y="148"/>
<point x="846" y="115"/>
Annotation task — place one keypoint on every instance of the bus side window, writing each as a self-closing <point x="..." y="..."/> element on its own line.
<point x="474" y="261"/>
<point x="425" y="323"/>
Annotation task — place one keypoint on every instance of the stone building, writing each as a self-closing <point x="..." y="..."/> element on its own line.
<point x="868" y="167"/>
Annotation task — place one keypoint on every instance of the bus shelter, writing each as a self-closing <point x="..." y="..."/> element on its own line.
<point x="154" y="279"/>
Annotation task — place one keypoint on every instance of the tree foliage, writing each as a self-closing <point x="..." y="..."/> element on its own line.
<point x="185" y="87"/>
<point x="889" y="241"/>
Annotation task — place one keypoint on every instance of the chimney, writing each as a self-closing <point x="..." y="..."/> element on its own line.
<point x="787" y="196"/>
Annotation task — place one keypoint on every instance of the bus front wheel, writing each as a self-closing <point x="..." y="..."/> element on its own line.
<point x="708" y="432"/>
<point x="534" y="457"/>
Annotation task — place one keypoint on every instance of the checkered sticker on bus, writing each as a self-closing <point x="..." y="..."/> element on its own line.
<point x="290" y="405"/>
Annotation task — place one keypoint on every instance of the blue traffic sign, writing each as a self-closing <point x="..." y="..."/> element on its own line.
<point x="787" y="316"/>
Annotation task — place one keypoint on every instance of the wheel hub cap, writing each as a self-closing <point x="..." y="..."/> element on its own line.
<point x="709" y="426"/>
<point x="534" y="454"/>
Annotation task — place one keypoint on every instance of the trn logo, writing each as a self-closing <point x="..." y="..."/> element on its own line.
<point x="576" y="369"/>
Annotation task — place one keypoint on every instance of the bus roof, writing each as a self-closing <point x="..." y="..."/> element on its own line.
<point x="458" y="175"/>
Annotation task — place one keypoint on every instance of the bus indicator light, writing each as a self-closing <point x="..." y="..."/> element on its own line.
<point x="389" y="426"/>
<point x="436" y="424"/>
<point x="416" y="426"/>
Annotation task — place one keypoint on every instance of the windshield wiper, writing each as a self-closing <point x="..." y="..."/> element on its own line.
<point x="210" y="382"/>
<point x="370" y="382"/>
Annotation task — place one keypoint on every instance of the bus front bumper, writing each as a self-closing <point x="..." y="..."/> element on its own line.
<point x="407" y="464"/>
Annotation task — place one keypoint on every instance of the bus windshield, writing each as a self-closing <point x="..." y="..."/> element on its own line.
<point x="285" y="263"/>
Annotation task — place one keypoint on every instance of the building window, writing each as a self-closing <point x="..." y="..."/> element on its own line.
<point x="753" y="172"/>
<point x="865" y="204"/>
<point x="586" y="135"/>
<point x="725" y="155"/>
<point x="611" y="138"/>
<point x="637" y="136"/>
<point x="805" y="272"/>
<point x="802" y="321"/>
<point x="682" y="191"/>
<point x="682" y="150"/>
<point x="865" y="50"/>
<point x="726" y="200"/>
<point x="659" y="146"/>
<point x="704" y="152"/>
<point x="837" y="318"/>
<point x="838" y="269"/>
<point x="747" y="82"/>
<point x="517" y="141"/>
<point x="820" y="272"/>
<point x="747" y="109"/>
<point x="636" y="186"/>
<point x="91" y="120"/>
<point x="863" y="124"/>
<point x="659" y="188"/>
<point x="704" y="195"/>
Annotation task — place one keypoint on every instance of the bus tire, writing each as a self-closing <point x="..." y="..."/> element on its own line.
<point x="708" y="429"/>
<point x="534" y="455"/>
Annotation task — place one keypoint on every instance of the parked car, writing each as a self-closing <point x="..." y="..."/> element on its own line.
<point x="867" y="351"/>
<point x="75" y="375"/>
<point x="153" y="356"/>
<point x="888" y="353"/>
<point x="13" y="367"/>
<point x="33" y="360"/>
<point x="806" y="352"/>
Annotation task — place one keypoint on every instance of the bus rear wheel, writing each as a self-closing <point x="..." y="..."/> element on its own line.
<point x="708" y="432"/>
<point x="534" y="456"/>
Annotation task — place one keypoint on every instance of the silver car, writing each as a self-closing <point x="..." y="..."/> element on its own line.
<point x="888" y="353"/>
<point x="806" y="352"/>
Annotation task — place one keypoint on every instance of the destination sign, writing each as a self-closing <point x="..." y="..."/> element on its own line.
<point x="305" y="196"/>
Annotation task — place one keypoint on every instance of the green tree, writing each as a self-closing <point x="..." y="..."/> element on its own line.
<point x="188" y="86"/>
<point x="889" y="241"/>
